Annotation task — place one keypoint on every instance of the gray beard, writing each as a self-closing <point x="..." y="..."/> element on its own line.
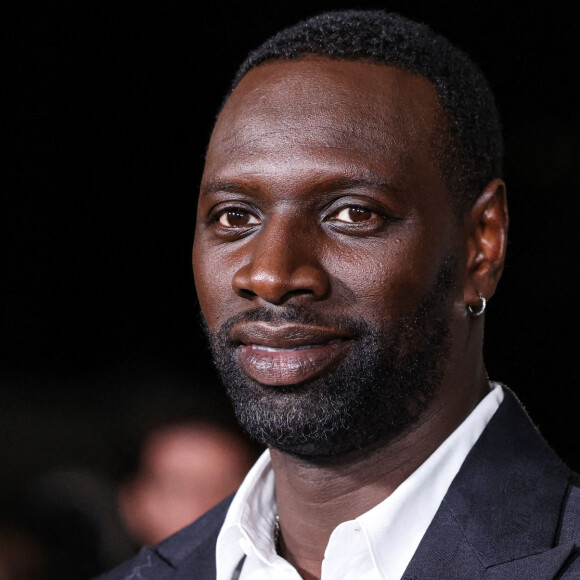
<point x="387" y="380"/>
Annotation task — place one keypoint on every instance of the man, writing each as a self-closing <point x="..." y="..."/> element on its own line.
<point x="352" y="226"/>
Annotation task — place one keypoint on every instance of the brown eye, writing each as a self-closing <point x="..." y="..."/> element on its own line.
<point x="235" y="218"/>
<point x="354" y="214"/>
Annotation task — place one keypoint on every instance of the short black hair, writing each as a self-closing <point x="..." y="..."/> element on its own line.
<point x="469" y="149"/>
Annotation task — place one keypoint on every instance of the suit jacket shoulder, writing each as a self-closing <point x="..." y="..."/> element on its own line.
<point x="513" y="510"/>
<point x="190" y="553"/>
<point x="570" y="529"/>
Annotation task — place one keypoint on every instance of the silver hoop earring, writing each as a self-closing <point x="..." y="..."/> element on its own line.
<point x="475" y="313"/>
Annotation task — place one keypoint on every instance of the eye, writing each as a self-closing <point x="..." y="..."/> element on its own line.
<point x="236" y="218"/>
<point x="354" y="214"/>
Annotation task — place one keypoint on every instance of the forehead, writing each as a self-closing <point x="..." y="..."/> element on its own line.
<point x="361" y="112"/>
<point x="318" y="113"/>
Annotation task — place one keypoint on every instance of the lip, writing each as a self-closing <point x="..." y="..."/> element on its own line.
<point x="288" y="354"/>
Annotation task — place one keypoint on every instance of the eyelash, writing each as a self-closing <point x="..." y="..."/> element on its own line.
<point x="353" y="208"/>
<point x="239" y="214"/>
<point x="217" y="216"/>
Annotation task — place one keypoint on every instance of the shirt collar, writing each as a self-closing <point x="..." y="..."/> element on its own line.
<point x="393" y="529"/>
<point x="248" y="528"/>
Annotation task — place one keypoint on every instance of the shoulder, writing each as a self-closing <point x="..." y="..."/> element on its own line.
<point x="569" y="532"/>
<point x="570" y="521"/>
<point x="192" y="547"/>
<point x="572" y="500"/>
<point x="513" y="510"/>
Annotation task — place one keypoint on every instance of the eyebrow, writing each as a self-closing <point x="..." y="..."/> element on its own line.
<point x="368" y="181"/>
<point x="224" y="186"/>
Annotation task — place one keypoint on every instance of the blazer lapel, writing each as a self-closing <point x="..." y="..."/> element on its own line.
<point x="500" y="517"/>
<point x="193" y="549"/>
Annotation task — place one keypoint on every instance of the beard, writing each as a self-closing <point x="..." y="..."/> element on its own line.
<point x="379" y="389"/>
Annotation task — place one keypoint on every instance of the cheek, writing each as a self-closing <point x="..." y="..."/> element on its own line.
<point x="213" y="273"/>
<point x="383" y="281"/>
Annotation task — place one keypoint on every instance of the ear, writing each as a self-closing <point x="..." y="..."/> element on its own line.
<point x="485" y="229"/>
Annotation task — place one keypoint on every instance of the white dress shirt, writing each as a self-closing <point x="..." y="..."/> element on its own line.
<point x="378" y="545"/>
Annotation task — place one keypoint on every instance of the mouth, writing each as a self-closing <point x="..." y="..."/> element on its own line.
<point x="288" y="354"/>
<point x="294" y="349"/>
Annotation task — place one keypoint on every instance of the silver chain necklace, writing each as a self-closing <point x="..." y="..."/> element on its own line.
<point x="277" y="534"/>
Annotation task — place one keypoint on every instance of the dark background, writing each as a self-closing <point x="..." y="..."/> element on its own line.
<point x="111" y="105"/>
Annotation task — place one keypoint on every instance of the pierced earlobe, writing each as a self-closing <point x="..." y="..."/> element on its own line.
<point x="486" y="239"/>
<point x="477" y="311"/>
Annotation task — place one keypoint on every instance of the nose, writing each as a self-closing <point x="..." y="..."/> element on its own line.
<point x="282" y="266"/>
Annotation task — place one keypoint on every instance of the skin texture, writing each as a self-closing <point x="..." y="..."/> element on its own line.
<point x="298" y="147"/>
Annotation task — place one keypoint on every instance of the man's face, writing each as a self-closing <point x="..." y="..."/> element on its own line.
<point x="325" y="253"/>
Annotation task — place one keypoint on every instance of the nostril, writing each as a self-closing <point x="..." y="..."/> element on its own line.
<point x="276" y="274"/>
<point x="299" y="292"/>
<point x="248" y="294"/>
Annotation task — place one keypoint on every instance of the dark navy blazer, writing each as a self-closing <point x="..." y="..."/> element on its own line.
<point x="512" y="512"/>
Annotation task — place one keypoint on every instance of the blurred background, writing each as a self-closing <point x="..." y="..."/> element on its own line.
<point x="111" y="103"/>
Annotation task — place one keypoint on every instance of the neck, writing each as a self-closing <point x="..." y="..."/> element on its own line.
<point x="316" y="495"/>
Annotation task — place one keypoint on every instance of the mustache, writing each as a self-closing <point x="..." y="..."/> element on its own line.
<point x="289" y="314"/>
